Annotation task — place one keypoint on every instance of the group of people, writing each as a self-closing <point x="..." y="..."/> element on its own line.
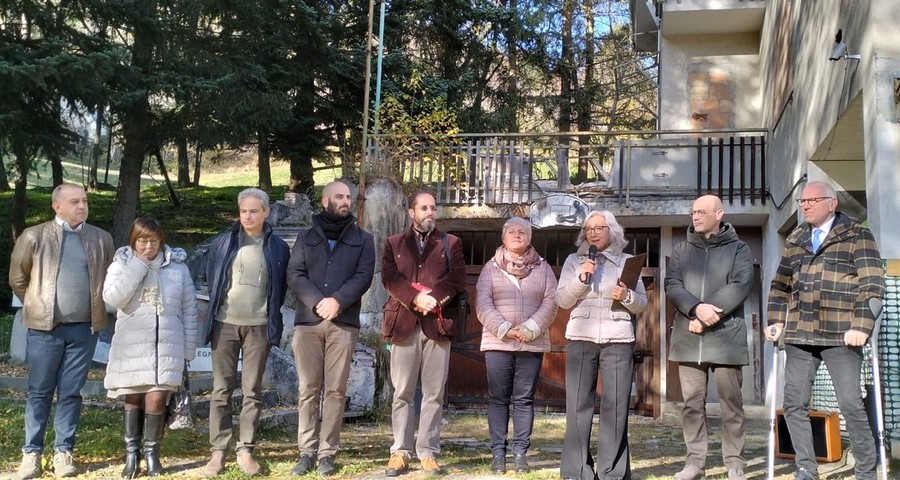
<point x="67" y="270"/>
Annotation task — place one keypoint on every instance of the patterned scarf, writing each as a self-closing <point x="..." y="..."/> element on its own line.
<point x="515" y="265"/>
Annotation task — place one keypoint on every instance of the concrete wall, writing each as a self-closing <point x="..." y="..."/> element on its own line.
<point x="721" y="61"/>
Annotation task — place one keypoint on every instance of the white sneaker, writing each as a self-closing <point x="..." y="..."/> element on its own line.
<point x="64" y="464"/>
<point x="30" y="466"/>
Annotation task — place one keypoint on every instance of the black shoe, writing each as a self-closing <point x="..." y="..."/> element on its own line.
<point x="326" y="466"/>
<point x="305" y="464"/>
<point x="498" y="465"/>
<point x="133" y="421"/>
<point x="154" y="427"/>
<point x="520" y="462"/>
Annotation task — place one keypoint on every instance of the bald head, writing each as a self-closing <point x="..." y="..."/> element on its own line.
<point x="707" y="214"/>
<point x="336" y="198"/>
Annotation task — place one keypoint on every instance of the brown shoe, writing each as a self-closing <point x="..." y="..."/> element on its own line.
<point x="247" y="464"/>
<point x="215" y="465"/>
<point x="397" y="465"/>
<point x="430" y="466"/>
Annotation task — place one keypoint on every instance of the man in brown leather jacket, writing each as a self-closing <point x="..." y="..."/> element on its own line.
<point x="418" y="326"/>
<point x="57" y="269"/>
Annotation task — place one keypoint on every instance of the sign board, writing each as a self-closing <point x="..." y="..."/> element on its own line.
<point x="203" y="361"/>
<point x="559" y="210"/>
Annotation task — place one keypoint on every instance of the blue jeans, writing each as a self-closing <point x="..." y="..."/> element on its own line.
<point x="512" y="381"/>
<point x="58" y="361"/>
<point x="844" y="365"/>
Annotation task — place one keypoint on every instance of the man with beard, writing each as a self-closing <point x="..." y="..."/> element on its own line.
<point x="418" y="324"/>
<point x="331" y="267"/>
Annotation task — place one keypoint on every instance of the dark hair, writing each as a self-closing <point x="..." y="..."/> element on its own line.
<point x="146" y="227"/>
<point x="414" y="197"/>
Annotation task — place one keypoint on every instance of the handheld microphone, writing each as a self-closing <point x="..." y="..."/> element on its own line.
<point x="592" y="255"/>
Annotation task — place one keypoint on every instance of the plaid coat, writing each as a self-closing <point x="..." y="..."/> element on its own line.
<point x="819" y="296"/>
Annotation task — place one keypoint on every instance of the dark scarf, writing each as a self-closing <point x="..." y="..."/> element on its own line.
<point x="333" y="225"/>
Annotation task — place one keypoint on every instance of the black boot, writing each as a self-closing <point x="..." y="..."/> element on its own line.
<point x="154" y="425"/>
<point x="133" y="421"/>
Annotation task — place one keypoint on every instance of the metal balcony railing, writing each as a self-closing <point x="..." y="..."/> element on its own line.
<point x="505" y="169"/>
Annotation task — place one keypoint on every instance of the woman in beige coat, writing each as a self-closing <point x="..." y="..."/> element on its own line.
<point x="515" y="304"/>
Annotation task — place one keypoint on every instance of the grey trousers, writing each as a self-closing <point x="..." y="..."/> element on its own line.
<point x="323" y="354"/>
<point x="694" y="381"/>
<point x="615" y="362"/>
<point x="227" y="343"/>
<point x="409" y="357"/>
<point x="844" y="365"/>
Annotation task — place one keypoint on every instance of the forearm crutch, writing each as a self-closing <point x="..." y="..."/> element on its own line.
<point x="876" y="305"/>
<point x="773" y="406"/>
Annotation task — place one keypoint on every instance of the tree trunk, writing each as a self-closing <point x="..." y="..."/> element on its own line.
<point x="184" y="179"/>
<point x="109" y="142"/>
<point x="23" y="165"/>
<point x="136" y="124"/>
<point x="262" y="153"/>
<point x="4" y="177"/>
<point x="198" y="157"/>
<point x="512" y="79"/>
<point x="566" y="87"/>
<point x="165" y="173"/>
<point x="584" y="96"/>
<point x="301" y="174"/>
<point x="95" y="155"/>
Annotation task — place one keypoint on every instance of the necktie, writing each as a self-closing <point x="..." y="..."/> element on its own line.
<point x="816" y="239"/>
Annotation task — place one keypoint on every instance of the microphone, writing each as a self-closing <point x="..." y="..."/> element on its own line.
<point x="592" y="255"/>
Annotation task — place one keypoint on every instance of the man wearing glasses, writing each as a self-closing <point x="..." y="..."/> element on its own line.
<point x="708" y="279"/>
<point x="245" y="271"/>
<point x="819" y="301"/>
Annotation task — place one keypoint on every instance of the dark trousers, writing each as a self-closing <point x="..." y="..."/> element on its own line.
<point x="615" y="362"/>
<point x="694" y="381"/>
<point x="844" y="365"/>
<point x="512" y="381"/>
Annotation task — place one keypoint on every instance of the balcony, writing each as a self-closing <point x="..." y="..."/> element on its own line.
<point x="502" y="170"/>
<point x="693" y="17"/>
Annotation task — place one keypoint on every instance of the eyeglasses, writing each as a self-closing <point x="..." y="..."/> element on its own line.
<point x="146" y="241"/>
<point x="702" y="213"/>
<point x="811" y="201"/>
<point x="598" y="229"/>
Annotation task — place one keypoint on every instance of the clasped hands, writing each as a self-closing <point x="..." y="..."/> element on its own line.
<point x="707" y="316"/>
<point x="328" y="308"/>
<point x="852" y="338"/>
<point x="424" y="303"/>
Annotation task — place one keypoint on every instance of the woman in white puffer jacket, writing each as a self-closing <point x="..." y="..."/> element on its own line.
<point x="156" y="333"/>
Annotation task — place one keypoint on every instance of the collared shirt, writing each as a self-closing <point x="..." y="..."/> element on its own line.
<point x="65" y="225"/>
<point x="825" y="228"/>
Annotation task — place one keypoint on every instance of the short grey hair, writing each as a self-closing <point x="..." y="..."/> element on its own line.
<point x="254" y="193"/>
<point x="829" y="188"/>
<point x="517" y="222"/>
<point x="617" y="241"/>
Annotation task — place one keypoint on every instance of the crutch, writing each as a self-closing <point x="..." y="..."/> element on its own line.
<point x="773" y="420"/>
<point x="876" y="305"/>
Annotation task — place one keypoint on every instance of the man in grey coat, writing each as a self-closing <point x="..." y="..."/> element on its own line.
<point x="707" y="280"/>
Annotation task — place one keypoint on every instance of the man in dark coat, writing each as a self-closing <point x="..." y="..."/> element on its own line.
<point x="829" y="271"/>
<point x="418" y="326"/>
<point x="331" y="267"/>
<point x="245" y="272"/>
<point x="708" y="279"/>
